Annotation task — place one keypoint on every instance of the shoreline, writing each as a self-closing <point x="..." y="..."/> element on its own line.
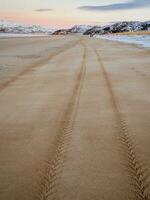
<point x="139" y="40"/>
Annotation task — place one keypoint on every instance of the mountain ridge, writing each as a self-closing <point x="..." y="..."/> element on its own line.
<point x="12" y="27"/>
<point x="118" y="27"/>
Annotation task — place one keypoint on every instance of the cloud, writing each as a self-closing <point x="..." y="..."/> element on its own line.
<point x="44" y="10"/>
<point x="118" y="6"/>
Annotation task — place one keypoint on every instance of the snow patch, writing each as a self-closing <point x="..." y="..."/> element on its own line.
<point x="143" y="40"/>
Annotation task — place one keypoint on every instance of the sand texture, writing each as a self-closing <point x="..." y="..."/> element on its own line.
<point x="74" y="119"/>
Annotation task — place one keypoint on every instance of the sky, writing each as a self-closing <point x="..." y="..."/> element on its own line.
<point x="66" y="13"/>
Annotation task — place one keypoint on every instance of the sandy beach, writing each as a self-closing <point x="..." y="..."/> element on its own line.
<point x="74" y="119"/>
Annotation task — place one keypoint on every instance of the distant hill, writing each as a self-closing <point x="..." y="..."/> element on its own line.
<point x="11" y="27"/>
<point x="75" y="29"/>
<point x="80" y="28"/>
<point x="118" y="27"/>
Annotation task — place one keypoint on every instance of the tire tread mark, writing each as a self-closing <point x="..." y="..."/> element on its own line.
<point x="36" y="64"/>
<point x="137" y="170"/>
<point x="49" y="182"/>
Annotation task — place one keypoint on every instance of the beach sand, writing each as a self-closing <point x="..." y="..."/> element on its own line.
<point x="74" y="119"/>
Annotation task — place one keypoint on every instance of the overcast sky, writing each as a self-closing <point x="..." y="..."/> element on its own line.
<point x="64" y="13"/>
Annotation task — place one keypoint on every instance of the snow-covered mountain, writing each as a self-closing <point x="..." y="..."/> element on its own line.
<point x="119" y="27"/>
<point x="111" y="28"/>
<point x="75" y="29"/>
<point x="60" y="32"/>
<point x="11" y="27"/>
<point x="80" y="28"/>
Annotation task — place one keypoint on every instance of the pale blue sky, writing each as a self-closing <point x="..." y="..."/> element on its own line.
<point x="69" y="12"/>
<point x="33" y="4"/>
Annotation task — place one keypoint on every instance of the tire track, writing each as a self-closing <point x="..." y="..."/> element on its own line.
<point x="37" y="64"/>
<point x="50" y="180"/>
<point x="137" y="171"/>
